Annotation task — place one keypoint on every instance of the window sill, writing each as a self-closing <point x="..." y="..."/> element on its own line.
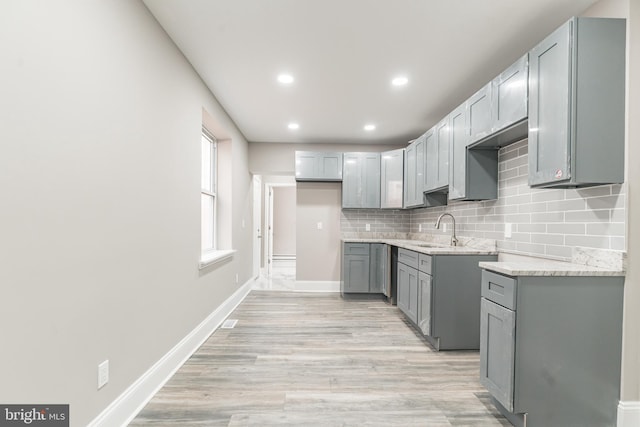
<point x="215" y="257"/>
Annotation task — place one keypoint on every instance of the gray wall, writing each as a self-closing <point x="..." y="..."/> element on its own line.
<point x="284" y="221"/>
<point x="318" y="251"/>
<point x="100" y="121"/>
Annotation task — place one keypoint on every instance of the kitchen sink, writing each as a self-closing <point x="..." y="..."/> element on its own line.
<point x="428" y="245"/>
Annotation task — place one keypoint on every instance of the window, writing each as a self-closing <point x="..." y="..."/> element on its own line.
<point x="208" y="192"/>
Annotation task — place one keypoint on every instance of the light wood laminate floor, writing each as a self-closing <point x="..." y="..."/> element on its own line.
<point x="316" y="359"/>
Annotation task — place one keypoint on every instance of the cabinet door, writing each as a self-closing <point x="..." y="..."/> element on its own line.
<point x="431" y="172"/>
<point x="403" y="288"/>
<point x="356" y="273"/>
<point x="361" y="180"/>
<point x="412" y="309"/>
<point x="458" y="135"/>
<point x="497" y="351"/>
<point x="306" y="164"/>
<point x="510" y="95"/>
<point x="391" y="178"/>
<point x="442" y="162"/>
<point x="420" y="167"/>
<point x="424" y="306"/>
<point x="479" y="106"/>
<point x="352" y="181"/>
<point x="331" y="166"/>
<point x="408" y="291"/>
<point x="370" y="180"/>
<point x="410" y="175"/>
<point x="378" y="268"/>
<point x="549" y="112"/>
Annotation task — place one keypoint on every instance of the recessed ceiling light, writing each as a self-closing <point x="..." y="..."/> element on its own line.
<point x="369" y="127"/>
<point x="285" y="79"/>
<point x="293" y="126"/>
<point x="399" y="81"/>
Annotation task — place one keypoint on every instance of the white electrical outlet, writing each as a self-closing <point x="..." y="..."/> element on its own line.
<point x="319" y="226"/>
<point x="243" y="223"/>
<point x="367" y="227"/>
<point x="444" y="227"/>
<point x="507" y="230"/>
<point x="103" y="374"/>
<point x="419" y="228"/>
<point x="237" y="278"/>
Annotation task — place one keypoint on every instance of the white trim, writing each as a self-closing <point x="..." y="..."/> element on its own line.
<point x="628" y="414"/>
<point x="126" y="406"/>
<point x="317" y="286"/>
<point x="214" y="257"/>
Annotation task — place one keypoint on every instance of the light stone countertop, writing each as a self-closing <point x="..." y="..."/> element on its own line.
<point x="584" y="262"/>
<point x="548" y="268"/>
<point x="429" y="248"/>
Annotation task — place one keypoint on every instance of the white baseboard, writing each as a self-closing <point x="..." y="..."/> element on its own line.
<point x="124" y="409"/>
<point x="317" y="286"/>
<point x="628" y="414"/>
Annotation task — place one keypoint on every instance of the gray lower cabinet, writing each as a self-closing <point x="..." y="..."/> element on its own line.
<point x="440" y="294"/>
<point x="361" y="181"/>
<point x="364" y="268"/>
<point x="576" y="105"/>
<point x="551" y="348"/>
<point x="391" y="179"/>
<point x="318" y="166"/>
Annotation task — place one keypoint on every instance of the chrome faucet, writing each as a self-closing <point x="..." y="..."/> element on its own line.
<point x="454" y="239"/>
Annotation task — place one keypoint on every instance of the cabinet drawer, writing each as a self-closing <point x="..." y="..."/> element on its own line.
<point x="408" y="257"/>
<point x="356" y="249"/>
<point x="499" y="289"/>
<point x="424" y="263"/>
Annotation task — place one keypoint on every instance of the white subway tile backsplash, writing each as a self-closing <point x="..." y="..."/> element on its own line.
<point x="565" y="228"/>
<point x="606" y="229"/>
<point x="545" y="222"/>
<point x="588" y="216"/>
<point x="549" y="239"/>
<point x="600" y="242"/>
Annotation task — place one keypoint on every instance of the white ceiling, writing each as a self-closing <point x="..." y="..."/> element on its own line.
<point x="343" y="55"/>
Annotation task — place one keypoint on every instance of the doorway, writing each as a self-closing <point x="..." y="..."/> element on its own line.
<point x="280" y="218"/>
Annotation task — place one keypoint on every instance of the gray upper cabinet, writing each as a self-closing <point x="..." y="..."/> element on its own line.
<point x="437" y="157"/>
<point x="391" y="179"/>
<point x="414" y="172"/>
<point x="479" y="106"/>
<point x="473" y="174"/>
<point x="361" y="180"/>
<point x="576" y="105"/>
<point x="318" y="166"/>
<point x="509" y="93"/>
